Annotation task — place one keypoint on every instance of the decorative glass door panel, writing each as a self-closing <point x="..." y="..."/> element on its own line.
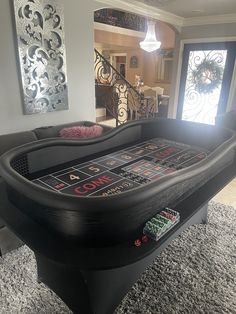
<point x="203" y="85"/>
<point x="205" y="81"/>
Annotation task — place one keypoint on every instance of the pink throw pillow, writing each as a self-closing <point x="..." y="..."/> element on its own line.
<point x="81" y="131"/>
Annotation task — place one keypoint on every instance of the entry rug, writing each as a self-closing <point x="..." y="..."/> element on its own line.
<point x="195" y="274"/>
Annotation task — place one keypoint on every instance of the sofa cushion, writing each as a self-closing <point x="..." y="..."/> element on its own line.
<point x="2" y="223"/>
<point x="8" y="241"/>
<point x="53" y="131"/>
<point x="8" y="141"/>
<point x="227" y="120"/>
<point x="81" y="131"/>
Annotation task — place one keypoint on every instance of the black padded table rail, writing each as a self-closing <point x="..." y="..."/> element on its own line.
<point x="81" y="205"/>
<point x="103" y="190"/>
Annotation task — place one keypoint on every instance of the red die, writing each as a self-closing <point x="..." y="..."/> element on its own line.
<point x="137" y="242"/>
<point x="145" y="238"/>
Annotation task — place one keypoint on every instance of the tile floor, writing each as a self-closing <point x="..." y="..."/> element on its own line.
<point x="227" y="196"/>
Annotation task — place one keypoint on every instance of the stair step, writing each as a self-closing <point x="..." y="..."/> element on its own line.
<point x="103" y="118"/>
<point x="106" y="120"/>
<point x="100" y="112"/>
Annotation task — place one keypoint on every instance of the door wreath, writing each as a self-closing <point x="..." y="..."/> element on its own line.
<point x="207" y="76"/>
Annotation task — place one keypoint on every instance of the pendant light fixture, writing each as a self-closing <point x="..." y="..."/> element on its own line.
<point x="150" y="42"/>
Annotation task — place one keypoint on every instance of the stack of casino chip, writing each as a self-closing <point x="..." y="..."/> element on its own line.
<point x="157" y="226"/>
<point x="170" y="214"/>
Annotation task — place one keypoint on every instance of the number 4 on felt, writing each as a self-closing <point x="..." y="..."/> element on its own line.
<point x="73" y="177"/>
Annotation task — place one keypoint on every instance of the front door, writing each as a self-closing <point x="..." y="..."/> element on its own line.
<point x="206" y="75"/>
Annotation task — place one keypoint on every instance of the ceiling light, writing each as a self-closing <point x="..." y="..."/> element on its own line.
<point x="150" y="42"/>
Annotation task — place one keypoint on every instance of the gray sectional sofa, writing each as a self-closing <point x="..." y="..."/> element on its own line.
<point x="8" y="240"/>
<point x="227" y="120"/>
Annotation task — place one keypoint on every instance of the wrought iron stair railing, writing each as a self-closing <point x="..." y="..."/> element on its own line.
<point x="121" y="100"/>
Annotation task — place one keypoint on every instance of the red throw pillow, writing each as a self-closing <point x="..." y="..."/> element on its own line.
<point x="81" y="131"/>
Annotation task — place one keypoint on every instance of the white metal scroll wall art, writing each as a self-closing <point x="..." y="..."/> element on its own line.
<point x="41" y="48"/>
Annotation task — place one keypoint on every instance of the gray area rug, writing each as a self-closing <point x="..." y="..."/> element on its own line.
<point x="195" y="274"/>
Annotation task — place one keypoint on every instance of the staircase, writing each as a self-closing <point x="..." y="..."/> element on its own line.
<point x="117" y="101"/>
<point x="104" y="118"/>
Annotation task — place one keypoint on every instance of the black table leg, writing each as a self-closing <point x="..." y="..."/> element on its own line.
<point x="205" y="214"/>
<point x="67" y="282"/>
<point x="89" y="291"/>
<point x="101" y="291"/>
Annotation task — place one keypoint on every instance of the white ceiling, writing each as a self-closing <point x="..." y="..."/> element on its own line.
<point x="193" y="8"/>
<point x="179" y="12"/>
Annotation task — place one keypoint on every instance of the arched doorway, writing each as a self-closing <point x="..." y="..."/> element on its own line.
<point x="114" y="40"/>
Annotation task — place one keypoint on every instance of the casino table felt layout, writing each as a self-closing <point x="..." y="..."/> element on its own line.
<point x="124" y="169"/>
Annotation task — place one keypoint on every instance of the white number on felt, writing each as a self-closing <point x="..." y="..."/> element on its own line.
<point x="94" y="169"/>
<point x="73" y="177"/>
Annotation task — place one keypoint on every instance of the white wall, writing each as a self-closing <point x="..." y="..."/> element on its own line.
<point x="78" y="16"/>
